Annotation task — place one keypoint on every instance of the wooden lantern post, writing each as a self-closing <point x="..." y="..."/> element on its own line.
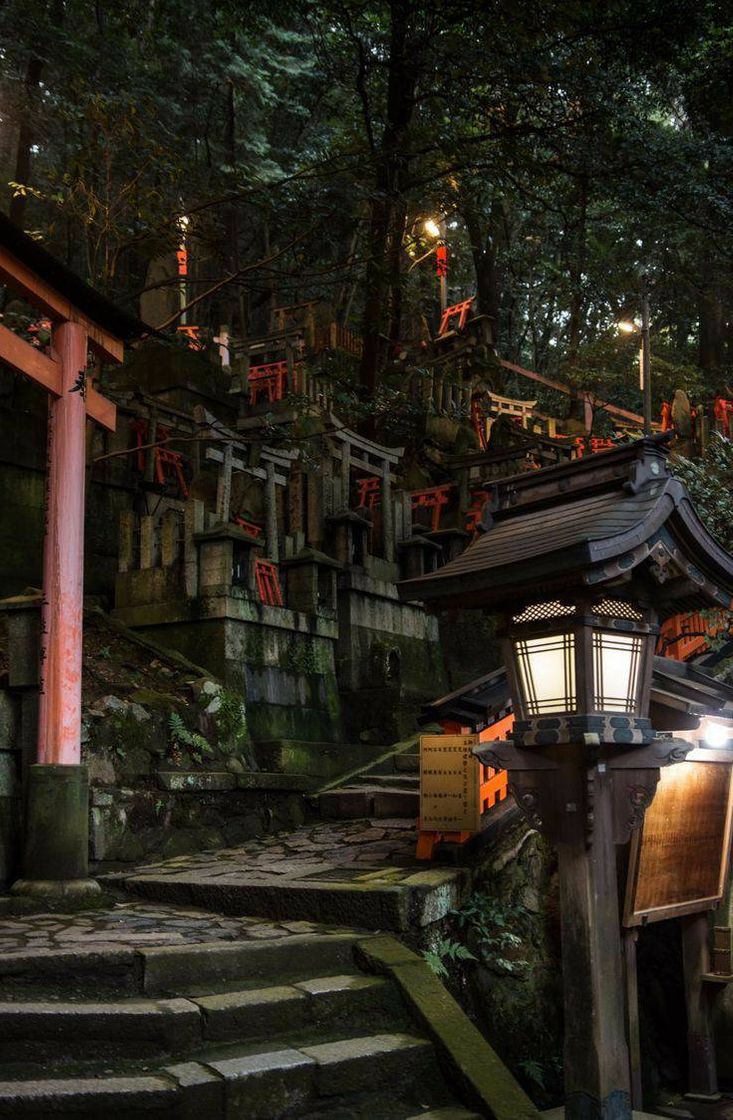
<point x="56" y="826"/>
<point x="579" y="560"/>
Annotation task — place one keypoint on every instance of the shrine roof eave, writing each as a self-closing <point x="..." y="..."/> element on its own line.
<point x="86" y="299"/>
<point x="593" y="540"/>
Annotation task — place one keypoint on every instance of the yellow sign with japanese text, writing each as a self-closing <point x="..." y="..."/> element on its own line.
<point x="450" y="777"/>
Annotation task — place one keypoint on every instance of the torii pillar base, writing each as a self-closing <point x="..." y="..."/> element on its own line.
<point x="56" y="860"/>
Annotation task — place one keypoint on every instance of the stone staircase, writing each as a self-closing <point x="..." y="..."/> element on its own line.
<point x="386" y="788"/>
<point x="315" y="1026"/>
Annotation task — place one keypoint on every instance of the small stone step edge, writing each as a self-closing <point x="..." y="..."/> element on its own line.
<point x="29" y="1028"/>
<point x="261" y="1086"/>
<point x="418" y="900"/>
<point x="163" y="969"/>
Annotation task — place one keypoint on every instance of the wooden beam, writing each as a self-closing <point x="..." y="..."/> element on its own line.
<point x="22" y="280"/>
<point x="46" y="371"/>
<point x="614" y="410"/>
<point x="100" y="409"/>
<point x="28" y="360"/>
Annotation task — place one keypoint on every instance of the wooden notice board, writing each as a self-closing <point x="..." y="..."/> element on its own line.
<point x="679" y="858"/>
<point x="449" y="783"/>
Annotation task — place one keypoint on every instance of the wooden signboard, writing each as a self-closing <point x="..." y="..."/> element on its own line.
<point x="679" y="858"/>
<point x="449" y="783"/>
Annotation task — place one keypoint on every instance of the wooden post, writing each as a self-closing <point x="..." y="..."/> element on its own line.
<point x="169" y="538"/>
<point x="702" y="1073"/>
<point x="126" y="548"/>
<point x="193" y="523"/>
<point x="271" y="527"/>
<point x="387" y="512"/>
<point x="596" y="1060"/>
<point x="150" y="453"/>
<point x="346" y="475"/>
<point x="147" y="541"/>
<point x="224" y="487"/>
<point x="59" y="718"/>
<point x="631" y="936"/>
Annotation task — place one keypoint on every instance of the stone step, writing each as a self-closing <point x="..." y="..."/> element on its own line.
<point x="393" y="781"/>
<point x="407" y="763"/>
<point x="369" y="800"/>
<point x="165" y="970"/>
<point x="264" y="1085"/>
<point x="54" y="1030"/>
<point x="445" y="1114"/>
<point x="127" y="1098"/>
<point x="391" y="899"/>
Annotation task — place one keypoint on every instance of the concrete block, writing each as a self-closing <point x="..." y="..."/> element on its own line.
<point x="201" y="1090"/>
<point x="238" y="1015"/>
<point x="119" y="1026"/>
<point x="89" y="1096"/>
<point x="266" y="1086"/>
<point x="356" y="1065"/>
<point x="168" y="967"/>
<point x="9" y="722"/>
<point x="196" y="781"/>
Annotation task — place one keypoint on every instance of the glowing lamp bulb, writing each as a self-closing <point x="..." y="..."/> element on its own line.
<point x="716" y="735"/>
<point x="627" y="327"/>
<point x="432" y="228"/>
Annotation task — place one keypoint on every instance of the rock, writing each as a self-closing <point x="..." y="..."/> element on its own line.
<point x="101" y="771"/>
<point x="112" y="704"/>
<point x="235" y="766"/>
<point x="138" y="713"/>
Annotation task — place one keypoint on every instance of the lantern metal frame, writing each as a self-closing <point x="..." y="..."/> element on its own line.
<point x="603" y="652"/>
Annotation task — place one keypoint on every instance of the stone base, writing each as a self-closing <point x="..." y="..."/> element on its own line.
<point x="56" y="851"/>
<point x="559" y="1114"/>
<point x="56" y="889"/>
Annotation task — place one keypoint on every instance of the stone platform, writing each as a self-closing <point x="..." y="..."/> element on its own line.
<point x="356" y="873"/>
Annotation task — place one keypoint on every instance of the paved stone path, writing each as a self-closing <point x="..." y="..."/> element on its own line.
<point x="327" y="849"/>
<point x="130" y="925"/>
<point x="360" y="873"/>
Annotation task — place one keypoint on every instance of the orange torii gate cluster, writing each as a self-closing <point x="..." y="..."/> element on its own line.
<point x="55" y="857"/>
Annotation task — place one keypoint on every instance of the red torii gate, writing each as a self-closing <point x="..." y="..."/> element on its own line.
<point x="56" y="822"/>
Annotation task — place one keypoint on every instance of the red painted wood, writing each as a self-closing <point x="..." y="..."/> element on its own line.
<point x="21" y="279"/>
<point x="59" y="729"/>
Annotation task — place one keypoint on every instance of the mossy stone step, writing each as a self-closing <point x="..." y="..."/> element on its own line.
<point x="128" y="1098"/>
<point x="260" y="1086"/>
<point x="446" y="1114"/>
<point x="53" y="1030"/>
<point x="369" y="799"/>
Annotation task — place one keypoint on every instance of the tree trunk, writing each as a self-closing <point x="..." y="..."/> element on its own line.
<point x="33" y="74"/>
<point x="384" y="264"/>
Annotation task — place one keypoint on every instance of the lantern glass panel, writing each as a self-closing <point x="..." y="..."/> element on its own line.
<point x="547" y="674"/>
<point x="616" y="667"/>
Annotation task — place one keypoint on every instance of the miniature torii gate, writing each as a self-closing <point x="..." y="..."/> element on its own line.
<point x="56" y="826"/>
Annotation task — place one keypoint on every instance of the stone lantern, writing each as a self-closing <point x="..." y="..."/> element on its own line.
<point x="580" y="562"/>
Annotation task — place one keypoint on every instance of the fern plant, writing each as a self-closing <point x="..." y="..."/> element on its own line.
<point x="446" y="950"/>
<point x="182" y="736"/>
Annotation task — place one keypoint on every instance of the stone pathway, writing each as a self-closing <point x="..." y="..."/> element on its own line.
<point x="358" y="873"/>
<point x="130" y="925"/>
<point x="351" y="849"/>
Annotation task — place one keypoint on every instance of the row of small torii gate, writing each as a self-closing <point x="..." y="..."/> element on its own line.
<point x="56" y="824"/>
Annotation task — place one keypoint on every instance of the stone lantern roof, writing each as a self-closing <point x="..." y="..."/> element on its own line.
<point x="596" y="522"/>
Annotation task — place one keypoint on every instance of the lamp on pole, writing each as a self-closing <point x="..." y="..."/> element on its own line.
<point x="438" y="230"/>
<point x="628" y="326"/>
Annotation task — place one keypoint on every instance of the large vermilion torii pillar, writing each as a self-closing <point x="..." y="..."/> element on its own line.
<point x="56" y="826"/>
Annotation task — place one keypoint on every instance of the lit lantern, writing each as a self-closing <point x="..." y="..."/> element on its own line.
<point x="590" y="657"/>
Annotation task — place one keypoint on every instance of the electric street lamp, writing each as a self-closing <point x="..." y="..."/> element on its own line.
<point x="627" y="326"/>
<point x="438" y="230"/>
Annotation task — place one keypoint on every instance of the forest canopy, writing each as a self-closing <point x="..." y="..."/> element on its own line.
<point x="573" y="151"/>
